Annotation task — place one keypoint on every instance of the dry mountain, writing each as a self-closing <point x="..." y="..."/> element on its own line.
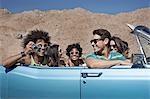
<point x="66" y="27"/>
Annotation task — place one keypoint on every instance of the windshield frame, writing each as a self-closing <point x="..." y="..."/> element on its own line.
<point x="143" y="40"/>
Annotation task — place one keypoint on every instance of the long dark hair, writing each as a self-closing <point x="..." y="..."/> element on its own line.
<point x="122" y="46"/>
<point x="53" y="55"/>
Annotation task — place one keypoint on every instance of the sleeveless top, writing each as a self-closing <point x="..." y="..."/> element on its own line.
<point x="35" y="64"/>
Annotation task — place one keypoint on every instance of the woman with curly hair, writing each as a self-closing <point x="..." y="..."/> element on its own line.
<point x="74" y="53"/>
<point x="34" y="48"/>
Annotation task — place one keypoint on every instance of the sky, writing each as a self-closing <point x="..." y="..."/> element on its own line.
<point x="97" y="6"/>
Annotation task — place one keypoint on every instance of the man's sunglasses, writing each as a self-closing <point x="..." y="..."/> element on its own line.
<point x="96" y="40"/>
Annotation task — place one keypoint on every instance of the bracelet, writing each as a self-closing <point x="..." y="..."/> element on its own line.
<point x="22" y="54"/>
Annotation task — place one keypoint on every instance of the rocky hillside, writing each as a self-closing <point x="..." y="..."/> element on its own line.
<point x="66" y="27"/>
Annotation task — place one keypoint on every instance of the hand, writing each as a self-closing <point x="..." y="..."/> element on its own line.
<point x="70" y="63"/>
<point x="28" y="49"/>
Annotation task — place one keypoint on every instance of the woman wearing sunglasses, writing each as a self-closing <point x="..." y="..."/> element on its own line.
<point x="118" y="45"/>
<point x="74" y="53"/>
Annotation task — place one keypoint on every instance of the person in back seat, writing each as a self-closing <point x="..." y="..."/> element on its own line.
<point x="126" y="50"/>
<point x="119" y="46"/>
<point x="54" y="56"/>
<point x="34" y="48"/>
<point x="74" y="53"/>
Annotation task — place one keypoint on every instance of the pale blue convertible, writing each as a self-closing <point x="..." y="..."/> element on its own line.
<point x="119" y="82"/>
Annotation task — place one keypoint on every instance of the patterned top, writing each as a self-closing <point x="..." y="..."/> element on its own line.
<point x="112" y="56"/>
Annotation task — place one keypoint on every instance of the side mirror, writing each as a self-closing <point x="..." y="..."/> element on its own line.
<point x="138" y="61"/>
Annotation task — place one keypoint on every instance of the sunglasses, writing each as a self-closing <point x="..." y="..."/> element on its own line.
<point x="114" y="46"/>
<point x="40" y="45"/>
<point x="74" y="53"/>
<point x="96" y="40"/>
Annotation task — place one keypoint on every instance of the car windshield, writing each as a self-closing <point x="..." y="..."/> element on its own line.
<point x="145" y="44"/>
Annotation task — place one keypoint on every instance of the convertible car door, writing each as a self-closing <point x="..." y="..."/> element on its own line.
<point x="42" y="83"/>
<point x="3" y="81"/>
<point x="115" y="84"/>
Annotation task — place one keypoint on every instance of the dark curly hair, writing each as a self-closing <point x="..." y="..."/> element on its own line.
<point x="70" y="47"/>
<point x="35" y="35"/>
